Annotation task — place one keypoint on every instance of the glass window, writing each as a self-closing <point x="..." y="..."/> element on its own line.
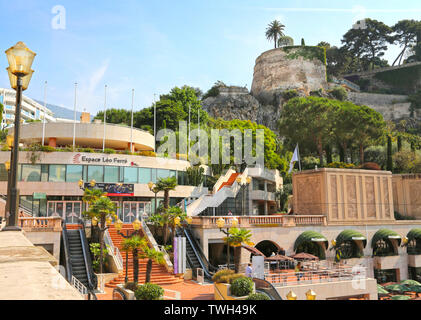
<point x="31" y="172"/>
<point x="173" y="173"/>
<point x="44" y="172"/>
<point x="162" y="173"/>
<point x="111" y="174"/>
<point x="73" y="173"/>
<point x="96" y="173"/>
<point x="144" y="175"/>
<point x="57" y="173"/>
<point x="3" y="173"/>
<point x="181" y="178"/>
<point x="153" y="178"/>
<point x="130" y="175"/>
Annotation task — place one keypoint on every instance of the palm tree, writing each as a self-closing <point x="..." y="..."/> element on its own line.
<point x="166" y="185"/>
<point x="134" y="244"/>
<point x="274" y="31"/>
<point x="102" y="210"/>
<point x="152" y="255"/>
<point x="235" y="238"/>
<point x="89" y="197"/>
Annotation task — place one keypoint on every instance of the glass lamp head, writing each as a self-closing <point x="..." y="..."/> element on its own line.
<point x="234" y="222"/>
<point x="118" y="225"/>
<point x="136" y="224"/>
<point x="311" y="295"/>
<point x="150" y="185"/>
<point x="20" y="59"/>
<point x="94" y="221"/>
<point x="291" y="296"/>
<point x="220" y="223"/>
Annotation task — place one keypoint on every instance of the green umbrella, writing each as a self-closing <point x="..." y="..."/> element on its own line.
<point x="412" y="288"/>
<point x="397" y="288"/>
<point x="410" y="283"/>
<point x="381" y="290"/>
<point x="400" y="298"/>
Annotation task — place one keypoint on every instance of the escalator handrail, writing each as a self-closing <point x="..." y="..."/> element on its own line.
<point x="69" y="271"/>
<point x="274" y="294"/>
<point x="210" y="267"/>
<point x="87" y="256"/>
<point x="199" y="258"/>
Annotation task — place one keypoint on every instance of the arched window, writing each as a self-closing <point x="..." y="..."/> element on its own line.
<point x="349" y="244"/>
<point x="313" y="243"/>
<point x="385" y="242"/>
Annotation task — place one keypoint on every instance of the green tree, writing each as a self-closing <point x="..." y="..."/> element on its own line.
<point x="406" y="34"/>
<point x="284" y="41"/>
<point x="236" y="238"/>
<point x="152" y="255"/>
<point x="117" y="116"/>
<point x="368" y="43"/>
<point x="134" y="244"/>
<point x="101" y="210"/>
<point x="274" y="31"/>
<point x="166" y="185"/>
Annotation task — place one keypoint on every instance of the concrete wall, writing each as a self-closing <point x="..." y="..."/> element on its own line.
<point x="333" y="290"/>
<point x="407" y="194"/>
<point x="391" y="106"/>
<point x="344" y="195"/>
<point x="285" y="238"/>
<point x="42" y="238"/>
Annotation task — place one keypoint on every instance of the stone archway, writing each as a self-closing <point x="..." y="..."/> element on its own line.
<point x="267" y="247"/>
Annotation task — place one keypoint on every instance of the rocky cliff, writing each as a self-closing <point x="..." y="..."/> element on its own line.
<point x="277" y="70"/>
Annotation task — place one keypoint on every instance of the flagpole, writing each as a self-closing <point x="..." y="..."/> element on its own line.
<point x="74" y="119"/>
<point x="105" y="119"/>
<point x="43" y="120"/>
<point x="131" y="128"/>
<point x="154" y="119"/>
<point x="188" y="145"/>
<point x="299" y="157"/>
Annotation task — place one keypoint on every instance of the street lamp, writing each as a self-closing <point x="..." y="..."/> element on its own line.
<point x="152" y="187"/>
<point x="243" y="182"/>
<point x="291" y="296"/>
<point x="20" y="60"/>
<point x="311" y="295"/>
<point x="119" y="226"/>
<point x="221" y="224"/>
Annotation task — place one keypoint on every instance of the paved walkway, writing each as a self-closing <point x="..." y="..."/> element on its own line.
<point x="189" y="290"/>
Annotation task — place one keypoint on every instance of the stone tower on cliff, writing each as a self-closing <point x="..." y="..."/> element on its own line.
<point x="301" y="68"/>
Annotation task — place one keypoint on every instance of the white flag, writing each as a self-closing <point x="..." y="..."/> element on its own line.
<point x="293" y="159"/>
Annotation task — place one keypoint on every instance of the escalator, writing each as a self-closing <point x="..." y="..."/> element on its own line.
<point x="77" y="257"/>
<point x="194" y="254"/>
<point x="265" y="287"/>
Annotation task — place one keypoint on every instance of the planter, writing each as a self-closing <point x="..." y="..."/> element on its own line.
<point x="128" y="294"/>
<point x="222" y="291"/>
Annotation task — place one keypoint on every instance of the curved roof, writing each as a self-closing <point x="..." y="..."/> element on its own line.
<point x="384" y="234"/>
<point x="310" y="236"/>
<point x="349" y="235"/>
<point x="87" y="135"/>
<point x="414" y="234"/>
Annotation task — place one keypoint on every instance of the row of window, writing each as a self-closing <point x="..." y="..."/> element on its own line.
<point x="107" y="174"/>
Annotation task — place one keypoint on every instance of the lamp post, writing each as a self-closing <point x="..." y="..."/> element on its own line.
<point x="20" y="60"/>
<point x="152" y="187"/>
<point x="136" y="226"/>
<point x="221" y="224"/>
<point x="243" y="182"/>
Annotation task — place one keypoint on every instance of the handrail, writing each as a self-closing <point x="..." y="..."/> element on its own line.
<point x="152" y="241"/>
<point x="69" y="271"/>
<point x="199" y="257"/>
<point x="92" y="281"/>
<point x="115" y="252"/>
<point x="267" y="287"/>
<point x="211" y="267"/>
<point x="79" y="286"/>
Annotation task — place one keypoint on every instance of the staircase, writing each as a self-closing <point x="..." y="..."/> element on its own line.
<point x="159" y="274"/>
<point x="230" y="181"/>
<point x="76" y="256"/>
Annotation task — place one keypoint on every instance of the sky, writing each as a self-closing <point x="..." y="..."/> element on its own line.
<point x="153" y="46"/>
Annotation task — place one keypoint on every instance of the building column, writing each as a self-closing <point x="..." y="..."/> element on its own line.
<point x="52" y="142"/>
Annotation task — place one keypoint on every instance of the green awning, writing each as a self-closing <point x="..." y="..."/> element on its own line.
<point x="411" y="282"/>
<point x="381" y="290"/>
<point x="414" y="234"/>
<point x="400" y="298"/>
<point x="350" y="235"/>
<point x="384" y="234"/>
<point x="310" y="236"/>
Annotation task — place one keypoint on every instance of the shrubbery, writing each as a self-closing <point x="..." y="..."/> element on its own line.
<point x="109" y="151"/>
<point x="339" y="93"/>
<point x="242" y="286"/>
<point x="341" y="165"/>
<point x="149" y="291"/>
<point x="407" y="162"/>
<point x="289" y="94"/>
<point x="217" y="277"/>
<point x="131" y="286"/>
<point x="257" y="296"/>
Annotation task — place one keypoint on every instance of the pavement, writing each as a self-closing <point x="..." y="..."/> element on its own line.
<point x="190" y="290"/>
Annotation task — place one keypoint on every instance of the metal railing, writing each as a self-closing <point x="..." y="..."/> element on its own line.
<point x="147" y="232"/>
<point x="314" y="277"/>
<point x="79" y="286"/>
<point x="113" y="250"/>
